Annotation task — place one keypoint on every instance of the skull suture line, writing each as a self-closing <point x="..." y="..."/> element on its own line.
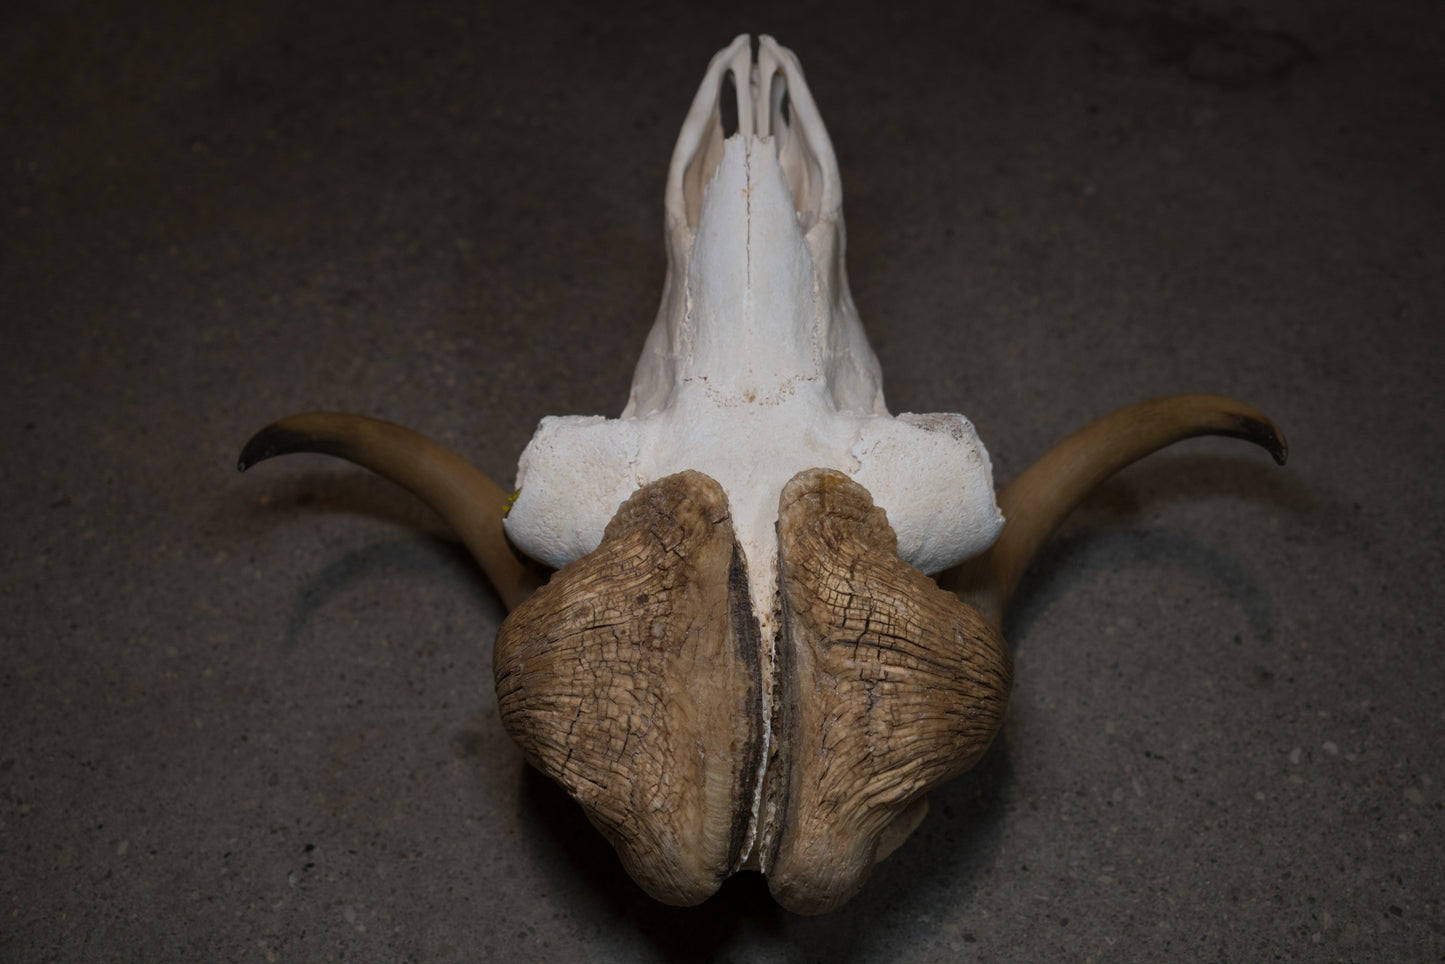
<point x="775" y="621"/>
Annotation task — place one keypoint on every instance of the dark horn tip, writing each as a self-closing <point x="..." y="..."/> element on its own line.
<point x="272" y="441"/>
<point x="1280" y="450"/>
<point x="1265" y="434"/>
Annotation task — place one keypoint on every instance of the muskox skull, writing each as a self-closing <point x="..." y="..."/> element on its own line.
<point x="742" y="661"/>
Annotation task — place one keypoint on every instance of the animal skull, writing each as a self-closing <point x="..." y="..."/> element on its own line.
<point x="742" y="661"/>
<point x="757" y="349"/>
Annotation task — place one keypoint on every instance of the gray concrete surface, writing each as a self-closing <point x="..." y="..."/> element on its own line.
<point x="249" y="718"/>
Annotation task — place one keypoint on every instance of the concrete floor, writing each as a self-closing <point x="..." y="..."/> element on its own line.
<point x="250" y="718"/>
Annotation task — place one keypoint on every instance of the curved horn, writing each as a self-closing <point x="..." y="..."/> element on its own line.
<point x="469" y="501"/>
<point x="1038" y="500"/>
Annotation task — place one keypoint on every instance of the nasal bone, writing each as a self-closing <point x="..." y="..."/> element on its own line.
<point x="752" y="95"/>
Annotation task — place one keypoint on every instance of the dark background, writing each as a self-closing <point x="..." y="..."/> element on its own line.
<point x="250" y="718"/>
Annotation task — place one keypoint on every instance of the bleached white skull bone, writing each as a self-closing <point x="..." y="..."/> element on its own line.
<point x="757" y="366"/>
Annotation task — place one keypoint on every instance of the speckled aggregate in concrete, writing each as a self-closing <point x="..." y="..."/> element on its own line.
<point x="249" y="717"/>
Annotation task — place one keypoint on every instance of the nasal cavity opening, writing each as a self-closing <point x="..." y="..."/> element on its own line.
<point x="780" y="114"/>
<point x="795" y="155"/>
<point x="727" y="105"/>
<point x="708" y="154"/>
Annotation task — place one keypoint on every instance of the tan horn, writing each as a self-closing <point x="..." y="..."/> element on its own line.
<point x="1037" y="501"/>
<point x="469" y="501"/>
